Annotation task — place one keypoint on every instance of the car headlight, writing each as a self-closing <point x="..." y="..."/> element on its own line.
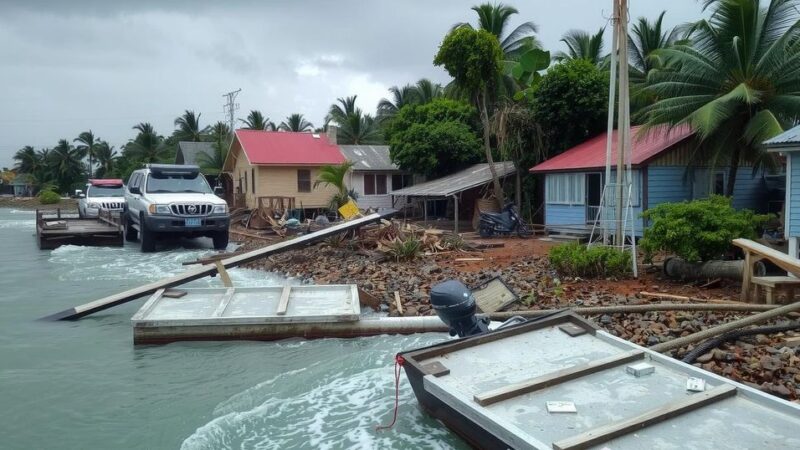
<point x="93" y="205"/>
<point x="159" y="209"/>
<point x="220" y="209"/>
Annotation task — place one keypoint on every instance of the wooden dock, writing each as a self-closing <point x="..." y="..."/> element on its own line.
<point x="55" y="228"/>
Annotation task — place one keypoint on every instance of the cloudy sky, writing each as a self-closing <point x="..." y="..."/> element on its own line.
<point x="105" y="65"/>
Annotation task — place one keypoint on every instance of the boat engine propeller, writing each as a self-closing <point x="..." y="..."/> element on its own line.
<point x="456" y="307"/>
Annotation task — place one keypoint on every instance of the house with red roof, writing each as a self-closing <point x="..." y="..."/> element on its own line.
<point x="663" y="169"/>
<point x="279" y="163"/>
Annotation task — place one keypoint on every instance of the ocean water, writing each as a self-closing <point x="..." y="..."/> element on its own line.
<point x="84" y="385"/>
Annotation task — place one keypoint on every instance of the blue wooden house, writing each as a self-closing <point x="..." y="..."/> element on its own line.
<point x="661" y="172"/>
<point x="788" y="143"/>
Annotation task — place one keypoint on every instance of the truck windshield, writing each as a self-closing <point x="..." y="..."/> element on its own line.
<point x="175" y="183"/>
<point x="105" y="191"/>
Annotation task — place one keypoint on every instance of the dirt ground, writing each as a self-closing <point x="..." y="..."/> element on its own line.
<point x="33" y="203"/>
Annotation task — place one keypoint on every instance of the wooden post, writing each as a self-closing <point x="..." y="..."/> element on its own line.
<point x="746" y="274"/>
<point x="223" y="274"/>
<point x="283" y="303"/>
<point x="455" y="208"/>
<point x="397" y="302"/>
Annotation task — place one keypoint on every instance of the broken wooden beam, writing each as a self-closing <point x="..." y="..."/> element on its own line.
<point x="123" y="297"/>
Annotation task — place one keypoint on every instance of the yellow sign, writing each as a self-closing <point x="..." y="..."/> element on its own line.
<point x="349" y="210"/>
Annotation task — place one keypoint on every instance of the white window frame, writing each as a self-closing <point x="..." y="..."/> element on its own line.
<point x="565" y="188"/>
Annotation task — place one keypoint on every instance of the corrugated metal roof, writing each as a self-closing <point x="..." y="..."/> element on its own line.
<point x="368" y="157"/>
<point x="789" y="138"/>
<point x="191" y="150"/>
<point x="288" y="148"/>
<point x="591" y="154"/>
<point x="474" y="176"/>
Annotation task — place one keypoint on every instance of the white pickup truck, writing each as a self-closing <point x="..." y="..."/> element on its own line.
<point x="105" y="194"/>
<point x="173" y="200"/>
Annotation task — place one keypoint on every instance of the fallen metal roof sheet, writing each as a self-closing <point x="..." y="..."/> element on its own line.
<point x="789" y="138"/>
<point x="368" y="157"/>
<point x="474" y="176"/>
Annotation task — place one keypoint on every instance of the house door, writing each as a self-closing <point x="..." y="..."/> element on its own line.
<point x="594" y="192"/>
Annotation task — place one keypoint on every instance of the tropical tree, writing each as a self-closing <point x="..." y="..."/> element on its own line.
<point x="401" y="96"/>
<point x="427" y="91"/>
<point x="334" y="175"/>
<point x="472" y="58"/>
<point x="519" y="139"/>
<point x="644" y="41"/>
<point x="435" y="138"/>
<point x="106" y="158"/>
<point x="582" y="45"/>
<point x="66" y="164"/>
<point x="296" y="122"/>
<point x="27" y="160"/>
<point x="495" y="18"/>
<point x="88" y="145"/>
<point x="735" y="83"/>
<point x="220" y="137"/>
<point x="256" y="121"/>
<point x="188" y="127"/>
<point x="148" y="146"/>
<point x="355" y="127"/>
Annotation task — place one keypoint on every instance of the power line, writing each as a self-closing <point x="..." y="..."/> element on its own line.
<point x="231" y="107"/>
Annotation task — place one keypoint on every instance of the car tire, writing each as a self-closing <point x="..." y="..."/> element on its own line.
<point x="220" y="239"/>
<point x="130" y="233"/>
<point x="80" y="213"/>
<point x="147" y="238"/>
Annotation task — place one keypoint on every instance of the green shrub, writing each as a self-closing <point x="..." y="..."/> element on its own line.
<point x="49" y="198"/>
<point x="405" y="249"/>
<point x="577" y="260"/>
<point x="698" y="230"/>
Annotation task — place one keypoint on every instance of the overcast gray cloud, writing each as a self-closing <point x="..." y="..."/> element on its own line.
<point x="69" y="66"/>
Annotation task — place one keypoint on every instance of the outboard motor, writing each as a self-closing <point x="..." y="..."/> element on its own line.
<point x="455" y="306"/>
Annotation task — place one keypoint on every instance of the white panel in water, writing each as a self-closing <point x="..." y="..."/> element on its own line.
<point x="196" y="305"/>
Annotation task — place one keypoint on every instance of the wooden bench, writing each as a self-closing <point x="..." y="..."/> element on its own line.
<point x="772" y="285"/>
<point x="754" y="252"/>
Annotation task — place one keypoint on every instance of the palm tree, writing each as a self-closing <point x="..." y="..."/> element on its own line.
<point x="427" y="91"/>
<point x="401" y="96"/>
<point x="494" y="18"/>
<point x="582" y="45"/>
<point x="296" y="122"/>
<point x="106" y="157"/>
<point x="256" y="121"/>
<point x="147" y="146"/>
<point x="27" y="160"/>
<point x="355" y="127"/>
<point x="188" y="127"/>
<point x="220" y="141"/>
<point x="66" y="164"/>
<point x="88" y="145"/>
<point x="736" y="83"/>
<point x="334" y="176"/>
<point x="644" y="41"/>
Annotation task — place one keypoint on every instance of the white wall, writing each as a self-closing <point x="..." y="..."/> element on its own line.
<point x="356" y="182"/>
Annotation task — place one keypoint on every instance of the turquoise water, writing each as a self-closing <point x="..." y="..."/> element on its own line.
<point x="83" y="385"/>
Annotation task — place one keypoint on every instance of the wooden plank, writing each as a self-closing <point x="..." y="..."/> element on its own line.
<point x="174" y="293"/>
<point x="782" y="260"/>
<point x="223" y="304"/>
<point x="397" y="302"/>
<point x="605" y="433"/>
<point x="283" y="303"/>
<point x="223" y="274"/>
<point x="558" y="377"/>
<point x="148" y="305"/>
<point x="123" y="297"/>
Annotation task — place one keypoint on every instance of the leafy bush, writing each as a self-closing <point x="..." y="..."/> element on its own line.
<point x="577" y="260"/>
<point x="698" y="230"/>
<point x="405" y="249"/>
<point x="49" y="198"/>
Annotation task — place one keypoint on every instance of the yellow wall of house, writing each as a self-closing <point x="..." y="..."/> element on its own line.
<point x="275" y="181"/>
<point x="279" y="180"/>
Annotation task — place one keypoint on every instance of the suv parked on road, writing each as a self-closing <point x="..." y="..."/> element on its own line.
<point x="105" y="194"/>
<point x="173" y="200"/>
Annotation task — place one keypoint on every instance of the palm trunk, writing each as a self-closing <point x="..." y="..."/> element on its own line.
<point x="732" y="170"/>
<point x="498" y="189"/>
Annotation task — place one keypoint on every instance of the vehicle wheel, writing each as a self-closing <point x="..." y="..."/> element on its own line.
<point x="130" y="233"/>
<point x="147" y="238"/>
<point x="80" y="213"/>
<point x="485" y="231"/>
<point x="523" y="231"/>
<point x="220" y="240"/>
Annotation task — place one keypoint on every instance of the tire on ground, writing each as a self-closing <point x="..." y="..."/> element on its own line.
<point x="147" y="238"/>
<point x="130" y="233"/>
<point x="220" y="240"/>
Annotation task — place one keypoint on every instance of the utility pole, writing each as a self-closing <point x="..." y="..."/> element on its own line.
<point x="612" y="93"/>
<point x="623" y="121"/>
<point x="231" y="107"/>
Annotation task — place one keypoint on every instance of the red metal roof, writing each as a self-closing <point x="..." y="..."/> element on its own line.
<point x="591" y="154"/>
<point x="288" y="148"/>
